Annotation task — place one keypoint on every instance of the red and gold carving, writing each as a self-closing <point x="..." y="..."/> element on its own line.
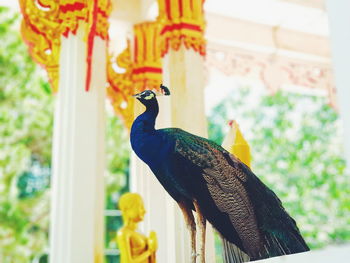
<point x="182" y="23"/>
<point x="120" y="89"/>
<point x="142" y="70"/>
<point x="40" y="29"/>
<point x="44" y="21"/>
<point x="147" y="66"/>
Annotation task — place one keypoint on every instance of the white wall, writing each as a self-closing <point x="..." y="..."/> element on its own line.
<point x="339" y="23"/>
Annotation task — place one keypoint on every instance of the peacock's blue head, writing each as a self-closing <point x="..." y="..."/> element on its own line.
<point x="148" y="97"/>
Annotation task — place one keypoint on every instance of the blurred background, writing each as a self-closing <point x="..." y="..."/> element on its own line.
<point x="268" y="66"/>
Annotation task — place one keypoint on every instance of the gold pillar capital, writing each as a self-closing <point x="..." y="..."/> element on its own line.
<point x="142" y="70"/>
<point x="182" y="23"/>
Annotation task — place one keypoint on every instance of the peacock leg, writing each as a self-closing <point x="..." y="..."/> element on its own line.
<point x="202" y="225"/>
<point x="191" y="225"/>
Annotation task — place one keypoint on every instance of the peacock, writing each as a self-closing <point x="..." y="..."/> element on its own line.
<point x="202" y="176"/>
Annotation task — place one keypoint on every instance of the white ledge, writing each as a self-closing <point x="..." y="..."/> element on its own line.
<point x="330" y="254"/>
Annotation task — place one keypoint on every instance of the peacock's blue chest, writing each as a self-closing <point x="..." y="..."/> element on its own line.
<point x="149" y="148"/>
<point x="147" y="143"/>
<point x="157" y="151"/>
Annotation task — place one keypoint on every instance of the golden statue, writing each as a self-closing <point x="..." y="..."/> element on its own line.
<point x="134" y="247"/>
<point x="236" y="144"/>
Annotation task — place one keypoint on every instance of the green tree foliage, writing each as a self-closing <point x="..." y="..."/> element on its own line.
<point x="118" y="153"/>
<point x="26" y="123"/>
<point x="25" y="146"/>
<point x="296" y="146"/>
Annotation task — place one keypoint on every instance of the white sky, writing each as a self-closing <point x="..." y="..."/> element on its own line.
<point x="10" y="3"/>
<point x="273" y="12"/>
<point x="270" y="12"/>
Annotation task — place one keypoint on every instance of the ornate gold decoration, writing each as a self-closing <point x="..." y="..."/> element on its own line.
<point x="44" y="21"/>
<point x="179" y="22"/>
<point x="142" y="70"/>
<point x="40" y="29"/>
<point x="182" y="23"/>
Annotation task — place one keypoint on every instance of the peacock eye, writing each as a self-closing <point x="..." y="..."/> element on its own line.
<point x="150" y="96"/>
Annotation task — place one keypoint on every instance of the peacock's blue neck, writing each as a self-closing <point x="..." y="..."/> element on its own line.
<point x="142" y="134"/>
<point x="145" y="122"/>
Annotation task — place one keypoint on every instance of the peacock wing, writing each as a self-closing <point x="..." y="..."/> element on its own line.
<point x="225" y="182"/>
<point x="255" y="212"/>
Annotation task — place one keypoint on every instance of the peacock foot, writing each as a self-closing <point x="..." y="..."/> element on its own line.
<point x="194" y="256"/>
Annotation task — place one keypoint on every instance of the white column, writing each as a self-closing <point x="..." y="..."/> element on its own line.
<point x="183" y="73"/>
<point x="339" y="22"/>
<point x="77" y="186"/>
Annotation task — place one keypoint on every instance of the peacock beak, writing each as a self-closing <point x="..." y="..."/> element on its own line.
<point x="137" y="96"/>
